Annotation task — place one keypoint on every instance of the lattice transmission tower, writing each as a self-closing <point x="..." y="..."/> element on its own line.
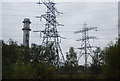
<point x="50" y="34"/>
<point x="86" y="49"/>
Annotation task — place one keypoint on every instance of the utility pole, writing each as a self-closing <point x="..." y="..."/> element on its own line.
<point x="50" y="33"/>
<point x="86" y="48"/>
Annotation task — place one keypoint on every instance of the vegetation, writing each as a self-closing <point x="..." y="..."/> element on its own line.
<point x="20" y="62"/>
<point x="111" y="66"/>
<point x="71" y="64"/>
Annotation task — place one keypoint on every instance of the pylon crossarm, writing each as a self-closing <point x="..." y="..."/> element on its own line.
<point x="77" y="31"/>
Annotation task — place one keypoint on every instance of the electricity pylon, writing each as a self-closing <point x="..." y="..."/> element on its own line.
<point x="86" y="48"/>
<point x="50" y="33"/>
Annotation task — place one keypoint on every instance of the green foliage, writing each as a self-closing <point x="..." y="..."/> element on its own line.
<point x="49" y="54"/>
<point x="14" y="61"/>
<point x="111" y="67"/>
<point x="43" y="54"/>
<point x="20" y="71"/>
<point x="71" y="58"/>
<point x="96" y="65"/>
<point x="34" y="53"/>
<point x="38" y="62"/>
<point x="9" y="53"/>
<point x="19" y="62"/>
<point x="44" y="70"/>
<point x="71" y="63"/>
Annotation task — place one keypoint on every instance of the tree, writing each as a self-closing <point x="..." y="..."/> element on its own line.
<point x="35" y="52"/>
<point x="97" y="62"/>
<point x="111" y="67"/>
<point x="9" y="52"/>
<point x="44" y="70"/>
<point x="50" y="55"/>
<point x="43" y="54"/>
<point x="43" y="59"/>
<point x="20" y="71"/>
<point x="71" y="61"/>
<point x="15" y="63"/>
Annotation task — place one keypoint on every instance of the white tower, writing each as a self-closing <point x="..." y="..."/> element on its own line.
<point x="26" y="30"/>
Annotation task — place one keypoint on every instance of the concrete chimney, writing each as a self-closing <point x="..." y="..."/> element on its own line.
<point x="26" y="31"/>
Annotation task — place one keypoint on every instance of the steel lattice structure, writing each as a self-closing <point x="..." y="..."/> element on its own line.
<point x="50" y="33"/>
<point x="86" y="48"/>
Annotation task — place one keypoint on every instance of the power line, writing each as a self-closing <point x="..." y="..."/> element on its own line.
<point x="50" y="33"/>
<point x="86" y="48"/>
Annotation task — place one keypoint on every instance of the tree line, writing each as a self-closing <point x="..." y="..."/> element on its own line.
<point x="20" y="62"/>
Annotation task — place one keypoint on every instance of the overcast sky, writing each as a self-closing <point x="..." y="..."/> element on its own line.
<point x="62" y="0"/>
<point x="103" y="15"/>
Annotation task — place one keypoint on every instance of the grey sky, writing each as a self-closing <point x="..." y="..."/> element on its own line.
<point x="119" y="19"/>
<point x="0" y="20"/>
<point x="103" y="15"/>
<point x="62" y="0"/>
